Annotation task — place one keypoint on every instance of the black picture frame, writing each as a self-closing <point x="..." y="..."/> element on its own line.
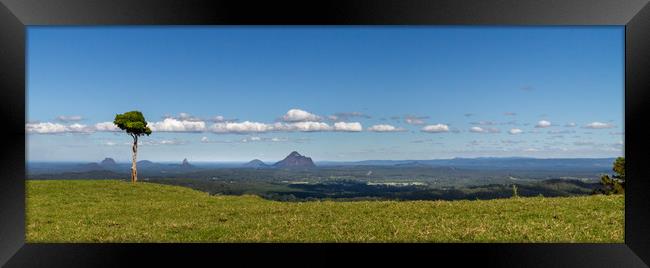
<point x="15" y="15"/>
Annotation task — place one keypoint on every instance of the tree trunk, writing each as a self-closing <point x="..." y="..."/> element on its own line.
<point x="134" y="170"/>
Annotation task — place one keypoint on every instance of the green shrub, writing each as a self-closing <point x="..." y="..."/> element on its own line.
<point x="616" y="183"/>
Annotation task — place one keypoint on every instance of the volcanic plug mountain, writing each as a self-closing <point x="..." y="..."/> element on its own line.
<point x="295" y="160"/>
<point x="108" y="163"/>
<point x="186" y="164"/>
<point x="256" y="163"/>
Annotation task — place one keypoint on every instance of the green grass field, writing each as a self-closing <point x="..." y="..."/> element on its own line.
<point x="116" y="211"/>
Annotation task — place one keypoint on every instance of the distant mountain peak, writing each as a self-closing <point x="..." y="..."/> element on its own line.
<point x="185" y="163"/>
<point x="107" y="162"/>
<point x="295" y="160"/>
<point x="256" y="163"/>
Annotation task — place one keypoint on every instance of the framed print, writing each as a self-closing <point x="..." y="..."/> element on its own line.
<point x="508" y="132"/>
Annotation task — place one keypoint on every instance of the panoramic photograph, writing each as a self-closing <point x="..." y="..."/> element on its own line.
<point x="325" y="134"/>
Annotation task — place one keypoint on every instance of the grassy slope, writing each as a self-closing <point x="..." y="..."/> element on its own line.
<point x="115" y="211"/>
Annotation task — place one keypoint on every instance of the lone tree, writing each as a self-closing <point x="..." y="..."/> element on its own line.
<point x="134" y="124"/>
<point x="616" y="183"/>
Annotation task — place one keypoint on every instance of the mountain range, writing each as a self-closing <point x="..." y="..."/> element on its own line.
<point x="293" y="160"/>
<point x="297" y="161"/>
<point x="108" y="164"/>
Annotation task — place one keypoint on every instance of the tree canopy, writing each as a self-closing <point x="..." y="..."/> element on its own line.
<point x="619" y="168"/>
<point x="616" y="183"/>
<point x="132" y="122"/>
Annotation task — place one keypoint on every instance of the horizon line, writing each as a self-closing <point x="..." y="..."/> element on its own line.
<point x="321" y="161"/>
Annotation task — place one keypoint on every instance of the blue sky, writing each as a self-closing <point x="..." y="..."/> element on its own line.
<point x="332" y="93"/>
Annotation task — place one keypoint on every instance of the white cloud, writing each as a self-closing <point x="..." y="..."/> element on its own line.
<point x="45" y="128"/>
<point x="297" y="115"/>
<point x="308" y="126"/>
<point x="476" y="129"/>
<point x="264" y="139"/>
<point x="253" y="139"/>
<point x="56" y="128"/>
<point x="311" y="126"/>
<point x="347" y="127"/>
<point x="515" y="131"/>
<point x="385" y="128"/>
<point x="106" y="126"/>
<point x="185" y="122"/>
<point x="543" y="124"/>
<point x="437" y="128"/>
<point x="571" y="124"/>
<point x="599" y="125"/>
<point x="69" y="118"/>
<point x="175" y="125"/>
<point x="484" y="130"/>
<point x="243" y="127"/>
<point x="76" y="127"/>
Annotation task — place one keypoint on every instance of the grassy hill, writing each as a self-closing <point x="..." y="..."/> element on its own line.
<point x="116" y="211"/>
